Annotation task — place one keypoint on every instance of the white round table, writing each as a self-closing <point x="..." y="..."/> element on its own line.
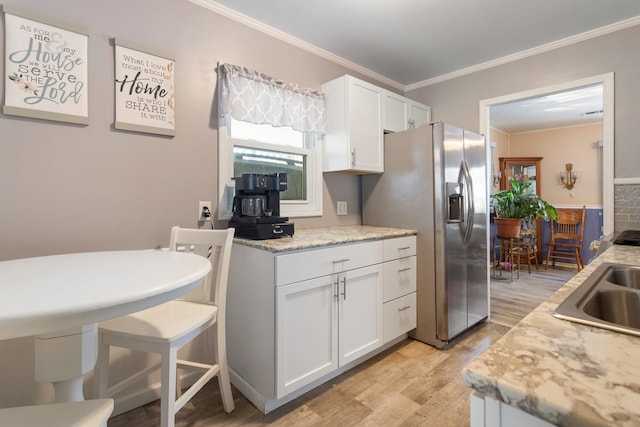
<point x="60" y="299"/>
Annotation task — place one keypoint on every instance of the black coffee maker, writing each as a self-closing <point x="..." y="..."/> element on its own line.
<point x="256" y="207"/>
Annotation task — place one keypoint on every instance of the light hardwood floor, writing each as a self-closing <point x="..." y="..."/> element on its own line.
<point x="411" y="384"/>
<point x="512" y="301"/>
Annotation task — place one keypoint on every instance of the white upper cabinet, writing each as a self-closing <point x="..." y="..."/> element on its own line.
<point x="402" y="113"/>
<point x="358" y="113"/>
<point x="353" y="142"/>
<point x="419" y="114"/>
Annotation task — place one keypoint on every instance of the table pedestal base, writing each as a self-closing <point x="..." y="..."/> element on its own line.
<point x="62" y="358"/>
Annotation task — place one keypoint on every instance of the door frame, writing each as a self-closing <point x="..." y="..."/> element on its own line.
<point x="608" y="142"/>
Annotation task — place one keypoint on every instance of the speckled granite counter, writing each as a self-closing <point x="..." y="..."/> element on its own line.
<point x="317" y="237"/>
<point x="563" y="372"/>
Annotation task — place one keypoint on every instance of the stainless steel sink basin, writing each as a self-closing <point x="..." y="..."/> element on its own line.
<point x="609" y="299"/>
<point x="624" y="276"/>
<point x="618" y="307"/>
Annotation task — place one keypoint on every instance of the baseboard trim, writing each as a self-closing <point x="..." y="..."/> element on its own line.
<point x="267" y="404"/>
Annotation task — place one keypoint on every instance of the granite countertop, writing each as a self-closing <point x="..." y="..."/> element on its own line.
<point x="563" y="372"/>
<point x="318" y="237"/>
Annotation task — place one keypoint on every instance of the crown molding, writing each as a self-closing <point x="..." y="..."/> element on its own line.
<point x="627" y="23"/>
<point x="288" y="38"/>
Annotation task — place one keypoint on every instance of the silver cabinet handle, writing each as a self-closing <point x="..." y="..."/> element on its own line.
<point x="353" y="158"/>
<point x="402" y="270"/>
<point x="406" y="307"/>
<point x="344" y="288"/>
<point x="341" y="260"/>
<point x="404" y="248"/>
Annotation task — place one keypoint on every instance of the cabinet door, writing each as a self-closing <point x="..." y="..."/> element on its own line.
<point x="306" y="332"/>
<point x="365" y="126"/>
<point x="360" y="312"/>
<point x="419" y="114"/>
<point x="396" y="112"/>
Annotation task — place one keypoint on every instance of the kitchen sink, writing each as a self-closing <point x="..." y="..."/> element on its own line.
<point x="624" y="276"/>
<point x="608" y="299"/>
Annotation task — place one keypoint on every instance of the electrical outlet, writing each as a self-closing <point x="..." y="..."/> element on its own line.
<point x="203" y="208"/>
<point x="342" y="208"/>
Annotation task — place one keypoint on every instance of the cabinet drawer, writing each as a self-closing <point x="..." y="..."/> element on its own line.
<point x="398" y="248"/>
<point x="297" y="266"/>
<point x="399" y="316"/>
<point x="399" y="278"/>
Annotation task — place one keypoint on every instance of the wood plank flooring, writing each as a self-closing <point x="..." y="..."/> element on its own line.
<point x="410" y="384"/>
<point x="512" y="301"/>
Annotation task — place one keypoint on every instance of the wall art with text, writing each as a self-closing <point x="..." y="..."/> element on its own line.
<point x="144" y="90"/>
<point x="46" y="67"/>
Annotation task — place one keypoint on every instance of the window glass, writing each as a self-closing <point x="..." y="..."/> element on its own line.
<point x="284" y="135"/>
<point x="252" y="160"/>
<point x="251" y="148"/>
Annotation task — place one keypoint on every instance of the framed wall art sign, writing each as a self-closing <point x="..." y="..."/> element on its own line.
<point x="144" y="90"/>
<point x="46" y="69"/>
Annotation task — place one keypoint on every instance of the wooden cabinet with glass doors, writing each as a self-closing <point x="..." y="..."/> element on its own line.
<point x="524" y="169"/>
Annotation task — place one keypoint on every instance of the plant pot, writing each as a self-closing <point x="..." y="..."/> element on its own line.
<point x="508" y="227"/>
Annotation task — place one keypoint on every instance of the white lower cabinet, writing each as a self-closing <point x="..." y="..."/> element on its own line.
<point x="325" y="323"/>
<point x="485" y="411"/>
<point x="400" y="316"/>
<point x="399" y="294"/>
<point x="359" y="313"/>
<point x="307" y="333"/>
<point x="296" y="319"/>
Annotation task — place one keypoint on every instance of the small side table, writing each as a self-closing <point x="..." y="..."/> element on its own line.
<point x="506" y="256"/>
<point x="528" y="250"/>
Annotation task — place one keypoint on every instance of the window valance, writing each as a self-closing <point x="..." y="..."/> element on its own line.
<point x="251" y="96"/>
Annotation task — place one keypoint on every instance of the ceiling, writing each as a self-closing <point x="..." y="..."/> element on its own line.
<point x="570" y="108"/>
<point x="413" y="43"/>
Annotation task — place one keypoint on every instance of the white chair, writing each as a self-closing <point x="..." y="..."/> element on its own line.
<point x="166" y="328"/>
<point x="88" y="413"/>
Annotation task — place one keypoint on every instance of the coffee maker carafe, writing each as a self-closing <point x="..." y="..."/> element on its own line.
<point x="256" y="207"/>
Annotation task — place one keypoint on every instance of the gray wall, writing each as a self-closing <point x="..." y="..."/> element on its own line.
<point x="457" y="100"/>
<point x="67" y="188"/>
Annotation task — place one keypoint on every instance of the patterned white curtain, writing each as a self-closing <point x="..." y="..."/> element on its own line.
<point x="254" y="97"/>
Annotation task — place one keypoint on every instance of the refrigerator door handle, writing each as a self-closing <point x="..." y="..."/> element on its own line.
<point x="470" y="207"/>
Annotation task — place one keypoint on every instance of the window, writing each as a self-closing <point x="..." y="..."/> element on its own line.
<point x="267" y="126"/>
<point x="252" y="148"/>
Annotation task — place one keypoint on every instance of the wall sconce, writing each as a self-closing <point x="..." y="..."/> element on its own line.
<point x="496" y="178"/>
<point x="568" y="177"/>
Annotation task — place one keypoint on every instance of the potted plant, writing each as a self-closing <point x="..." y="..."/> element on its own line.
<point x="519" y="204"/>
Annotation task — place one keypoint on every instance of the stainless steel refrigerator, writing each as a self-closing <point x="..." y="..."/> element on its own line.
<point x="435" y="181"/>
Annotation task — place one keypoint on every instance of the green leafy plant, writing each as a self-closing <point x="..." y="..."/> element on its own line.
<point x="520" y="202"/>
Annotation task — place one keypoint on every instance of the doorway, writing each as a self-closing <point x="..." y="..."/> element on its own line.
<point x="498" y="297"/>
<point x="607" y="82"/>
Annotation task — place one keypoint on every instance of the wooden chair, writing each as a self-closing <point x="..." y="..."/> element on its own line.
<point x="566" y="237"/>
<point x="166" y="328"/>
<point x="87" y="413"/>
